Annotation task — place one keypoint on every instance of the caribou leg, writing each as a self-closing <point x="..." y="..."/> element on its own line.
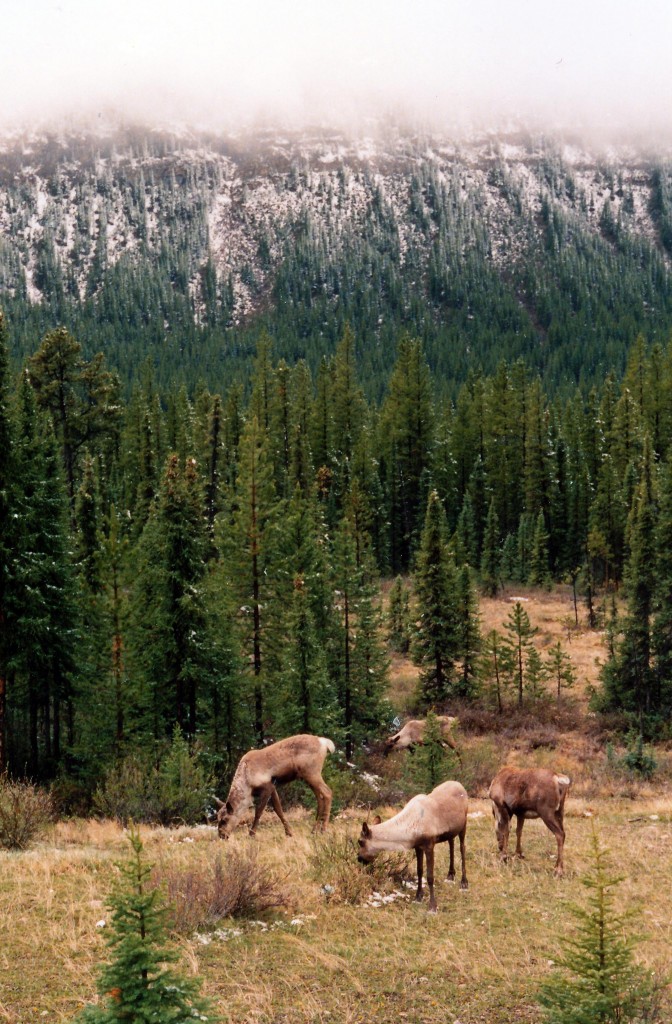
<point x="451" y="866"/>
<point x="554" y="822"/>
<point x="429" y="854"/>
<point x="418" y="861"/>
<point x="520" y="821"/>
<point x="277" y="807"/>
<point x="464" y="884"/>
<point x="262" y="797"/>
<point x="502" y="824"/>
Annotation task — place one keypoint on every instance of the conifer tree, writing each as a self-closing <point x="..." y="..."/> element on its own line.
<point x="539" y="571"/>
<point x="468" y="633"/>
<point x="496" y="668"/>
<point x="597" y="980"/>
<point x="398" y="617"/>
<point x="432" y="762"/>
<point x="246" y="541"/>
<point x="662" y="610"/>
<point x="303" y="695"/>
<point x="560" y="670"/>
<point x="519" y="640"/>
<point x="357" y="655"/>
<point x="170" y="651"/>
<point x="137" y="985"/>
<point x="628" y="677"/>
<point x="44" y="614"/>
<point x="435" y="644"/>
<point x="407" y="423"/>
<point x="490" y="562"/>
<point x="7" y="532"/>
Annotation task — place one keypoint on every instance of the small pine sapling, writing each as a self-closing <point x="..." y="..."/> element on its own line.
<point x="135" y="986"/>
<point x="597" y="980"/>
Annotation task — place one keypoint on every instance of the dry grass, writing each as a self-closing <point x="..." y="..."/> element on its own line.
<point x="333" y="957"/>
<point x="480" y="959"/>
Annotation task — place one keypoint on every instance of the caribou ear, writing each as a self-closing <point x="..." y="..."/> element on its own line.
<point x="366" y="831"/>
<point x="220" y="803"/>
<point x="377" y="820"/>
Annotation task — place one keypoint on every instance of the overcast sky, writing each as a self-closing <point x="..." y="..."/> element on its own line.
<point x="214" y="61"/>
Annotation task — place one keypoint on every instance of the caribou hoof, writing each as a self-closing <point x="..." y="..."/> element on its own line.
<point x="432" y="909"/>
<point x="289" y="833"/>
<point x="464" y="885"/>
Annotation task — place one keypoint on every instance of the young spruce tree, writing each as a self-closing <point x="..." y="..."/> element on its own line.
<point x="435" y="644"/>
<point x="136" y="986"/>
<point x="598" y="981"/>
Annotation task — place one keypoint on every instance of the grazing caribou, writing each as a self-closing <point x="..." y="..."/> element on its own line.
<point x="414" y="732"/>
<point x="529" y="793"/>
<point x="260" y="771"/>
<point x="427" y="819"/>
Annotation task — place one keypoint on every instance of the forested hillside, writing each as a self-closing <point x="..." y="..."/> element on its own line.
<point x="206" y="566"/>
<point x="178" y="248"/>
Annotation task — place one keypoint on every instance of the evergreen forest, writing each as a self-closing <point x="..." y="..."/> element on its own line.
<point x="450" y="373"/>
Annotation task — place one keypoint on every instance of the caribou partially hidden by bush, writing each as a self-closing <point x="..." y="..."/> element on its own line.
<point x="529" y="793"/>
<point x="413" y="733"/>
<point x="260" y="771"/>
<point x="427" y="819"/>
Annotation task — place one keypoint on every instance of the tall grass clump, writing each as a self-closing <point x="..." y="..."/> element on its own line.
<point x="333" y="864"/>
<point x="26" y="813"/>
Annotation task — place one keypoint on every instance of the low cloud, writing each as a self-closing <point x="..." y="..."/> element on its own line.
<point x="216" y="63"/>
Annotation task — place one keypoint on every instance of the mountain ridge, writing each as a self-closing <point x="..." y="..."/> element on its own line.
<point x="297" y="232"/>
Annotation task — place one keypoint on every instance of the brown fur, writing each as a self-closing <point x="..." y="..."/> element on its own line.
<point x="529" y="793"/>
<point x="426" y="820"/>
<point x="414" y="732"/>
<point x="260" y="771"/>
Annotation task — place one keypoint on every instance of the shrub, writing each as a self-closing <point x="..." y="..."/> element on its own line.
<point x="25" y="813"/>
<point x="637" y="762"/>
<point x="204" y="893"/>
<point x="334" y="865"/>
<point x="174" y="791"/>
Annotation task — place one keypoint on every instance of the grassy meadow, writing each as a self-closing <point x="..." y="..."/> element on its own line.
<point x="347" y="944"/>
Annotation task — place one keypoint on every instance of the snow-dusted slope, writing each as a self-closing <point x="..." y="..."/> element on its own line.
<point x="74" y="205"/>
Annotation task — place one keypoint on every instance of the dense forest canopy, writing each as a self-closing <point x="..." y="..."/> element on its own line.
<point x="451" y="371"/>
<point x="180" y="248"/>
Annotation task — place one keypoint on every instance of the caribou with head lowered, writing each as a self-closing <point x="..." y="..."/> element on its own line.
<point x="260" y="771"/>
<point x="529" y="793"/>
<point x="427" y="819"/>
<point x="413" y="733"/>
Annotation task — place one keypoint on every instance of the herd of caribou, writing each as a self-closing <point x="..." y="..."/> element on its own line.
<point x="427" y="819"/>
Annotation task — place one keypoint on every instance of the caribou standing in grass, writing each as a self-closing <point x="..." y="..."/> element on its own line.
<point x="260" y="771"/>
<point x="529" y="793"/>
<point x="413" y="733"/>
<point x="427" y="819"/>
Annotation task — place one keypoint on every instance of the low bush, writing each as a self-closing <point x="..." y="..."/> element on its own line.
<point x="638" y="761"/>
<point x="342" y="879"/>
<point x="25" y="813"/>
<point x="235" y="885"/>
<point x="172" y="790"/>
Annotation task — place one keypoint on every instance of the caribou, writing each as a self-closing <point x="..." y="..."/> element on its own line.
<point x="413" y="733"/>
<point x="529" y="793"/>
<point x="260" y="771"/>
<point x="427" y="819"/>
